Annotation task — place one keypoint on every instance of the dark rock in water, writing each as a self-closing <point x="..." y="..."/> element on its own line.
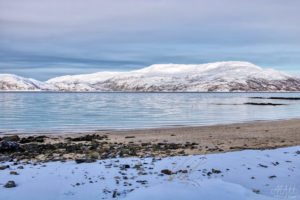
<point x="277" y="98"/>
<point x="10" y="184"/>
<point x="9" y="146"/>
<point x="13" y="138"/>
<point x="264" y="104"/>
<point x="166" y="171"/>
<point x="84" y="160"/>
<point x="3" y="167"/>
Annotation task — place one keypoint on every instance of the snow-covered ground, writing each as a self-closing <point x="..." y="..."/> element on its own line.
<point x="273" y="174"/>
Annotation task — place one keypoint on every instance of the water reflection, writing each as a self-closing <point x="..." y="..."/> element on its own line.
<point x="90" y="111"/>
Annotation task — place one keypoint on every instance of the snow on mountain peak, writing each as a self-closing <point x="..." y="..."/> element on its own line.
<point x="16" y="83"/>
<point x="218" y="76"/>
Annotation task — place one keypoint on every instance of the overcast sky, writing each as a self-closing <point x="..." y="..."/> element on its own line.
<point x="47" y="38"/>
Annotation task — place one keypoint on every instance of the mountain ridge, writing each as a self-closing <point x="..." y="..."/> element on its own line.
<point x="232" y="76"/>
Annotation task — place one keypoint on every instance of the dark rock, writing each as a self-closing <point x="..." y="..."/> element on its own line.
<point x="13" y="173"/>
<point x="264" y="166"/>
<point x="256" y="191"/>
<point x="184" y="171"/>
<point x="273" y="176"/>
<point x="9" y="146"/>
<point x="32" y="139"/>
<point x="166" y="171"/>
<point x="143" y="182"/>
<point x="13" y="138"/>
<point x="89" y="138"/>
<point x="128" y="137"/>
<point x="10" y="184"/>
<point x="125" y="166"/>
<point x="275" y="163"/>
<point x="84" y="160"/>
<point x="215" y="171"/>
<point x="264" y="104"/>
<point x="3" y="167"/>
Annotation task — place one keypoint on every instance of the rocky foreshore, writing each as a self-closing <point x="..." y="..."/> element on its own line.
<point x="88" y="147"/>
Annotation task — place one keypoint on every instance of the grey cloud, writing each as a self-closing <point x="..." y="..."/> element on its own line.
<point x="118" y="34"/>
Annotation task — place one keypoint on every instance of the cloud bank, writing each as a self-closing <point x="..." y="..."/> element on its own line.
<point x="45" y="38"/>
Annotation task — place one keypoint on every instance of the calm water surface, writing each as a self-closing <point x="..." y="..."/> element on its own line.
<point x="73" y="112"/>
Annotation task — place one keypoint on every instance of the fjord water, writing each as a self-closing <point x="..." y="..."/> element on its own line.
<point x="42" y="112"/>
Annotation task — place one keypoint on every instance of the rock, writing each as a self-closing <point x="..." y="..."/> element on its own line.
<point x="32" y="139"/>
<point x="125" y="166"/>
<point x="256" y="191"/>
<point x="94" y="155"/>
<point x="215" y="171"/>
<point x="10" y="184"/>
<point x="20" y="167"/>
<point x="184" y="171"/>
<point x="13" y="173"/>
<point x="3" y="167"/>
<point x="9" y="146"/>
<point x="264" y="166"/>
<point x="89" y="138"/>
<point x="40" y="157"/>
<point x="273" y="176"/>
<point x="13" y="138"/>
<point x="166" y="171"/>
<point x="84" y="160"/>
<point x="143" y="182"/>
<point x="275" y="163"/>
<point x="128" y="137"/>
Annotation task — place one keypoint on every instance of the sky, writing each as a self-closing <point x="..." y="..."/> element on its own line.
<point x="42" y="39"/>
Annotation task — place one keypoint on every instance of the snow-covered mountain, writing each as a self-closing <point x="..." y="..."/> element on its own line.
<point x="11" y="82"/>
<point x="219" y="76"/>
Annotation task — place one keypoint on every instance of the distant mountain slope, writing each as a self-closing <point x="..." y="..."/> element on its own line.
<point x="11" y="82"/>
<point x="220" y="77"/>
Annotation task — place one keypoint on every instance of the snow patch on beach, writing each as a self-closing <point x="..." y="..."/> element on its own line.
<point x="273" y="174"/>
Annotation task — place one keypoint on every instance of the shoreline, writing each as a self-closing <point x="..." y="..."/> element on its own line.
<point x="157" y="142"/>
<point x="7" y="132"/>
<point x="119" y="164"/>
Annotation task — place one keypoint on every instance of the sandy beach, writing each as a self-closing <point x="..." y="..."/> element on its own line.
<point x="253" y="135"/>
<point x="162" y="142"/>
<point x="123" y="164"/>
